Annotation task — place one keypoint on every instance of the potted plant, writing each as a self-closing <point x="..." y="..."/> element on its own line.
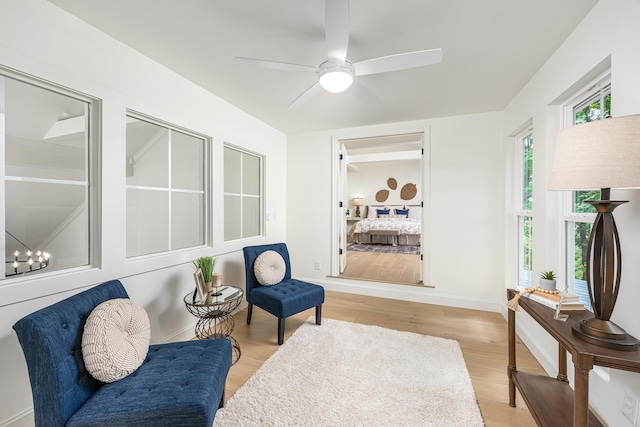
<point x="548" y="280"/>
<point x="206" y="264"/>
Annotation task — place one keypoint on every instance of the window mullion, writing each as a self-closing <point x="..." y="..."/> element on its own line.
<point x="169" y="198"/>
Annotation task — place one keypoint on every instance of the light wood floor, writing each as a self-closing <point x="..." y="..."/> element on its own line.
<point x="482" y="337"/>
<point x="380" y="267"/>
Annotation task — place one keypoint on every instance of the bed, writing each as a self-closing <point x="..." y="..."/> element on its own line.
<point x="389" y="228"/>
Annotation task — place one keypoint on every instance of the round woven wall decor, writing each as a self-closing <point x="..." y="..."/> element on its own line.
<point x="382" y="195"/>
<point x="408" y="191"/>
<point x="392" y="183"/>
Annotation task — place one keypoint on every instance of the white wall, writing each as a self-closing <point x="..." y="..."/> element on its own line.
<point x="463" y="221"/>
<point x="580" y="57"/>
<point x="372" y="177"/>
<point x="39" y="39"/>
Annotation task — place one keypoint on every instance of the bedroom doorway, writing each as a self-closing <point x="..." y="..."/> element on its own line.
<point x="381" y="183"/>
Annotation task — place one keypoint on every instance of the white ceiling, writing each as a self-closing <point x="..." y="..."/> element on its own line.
<point x="491" y="49"/>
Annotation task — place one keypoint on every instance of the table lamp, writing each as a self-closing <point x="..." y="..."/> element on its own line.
<point x="357" y="202"/>
<point x="601" y="155"/>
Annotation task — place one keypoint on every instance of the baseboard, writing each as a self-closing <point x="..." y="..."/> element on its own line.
<point x="185" y="334"/>
<point x="427" y="295"/>
<point x="23" y="419"/>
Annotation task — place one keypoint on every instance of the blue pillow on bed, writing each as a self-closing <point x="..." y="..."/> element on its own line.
<point x="382" y="212"/>
<point x="402" y="212"/>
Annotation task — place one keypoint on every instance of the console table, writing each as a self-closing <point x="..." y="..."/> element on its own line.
<point x="551" y="400"/>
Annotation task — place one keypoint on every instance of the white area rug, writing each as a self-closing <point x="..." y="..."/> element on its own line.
<point x="347" y="374"/>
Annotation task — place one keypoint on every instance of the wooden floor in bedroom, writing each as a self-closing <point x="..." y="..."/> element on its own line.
<point x="381" y="267"/>
<point x="482" y="337"/>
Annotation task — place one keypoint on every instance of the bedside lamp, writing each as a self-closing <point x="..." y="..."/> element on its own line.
<point x="601" y="155"/>
<point x="357" y="202"/>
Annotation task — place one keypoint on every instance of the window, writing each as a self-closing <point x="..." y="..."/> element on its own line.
<point x="166" y="197"/>
<point x="593" y="104"/>
<point x="524" y="206"/>
<point x="45" y="136"/>
<point x="242" y="194"/>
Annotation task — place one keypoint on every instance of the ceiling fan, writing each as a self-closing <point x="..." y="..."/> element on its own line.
<point x="337" y="74"/>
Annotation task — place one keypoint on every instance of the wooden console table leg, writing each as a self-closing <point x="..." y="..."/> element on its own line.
<point x="583" y="365"/>
<point x="562" y="364"/>
<point x="511" y="368"/>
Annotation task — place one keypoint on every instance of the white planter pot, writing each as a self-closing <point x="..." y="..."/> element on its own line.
<point x="548" y="285"/>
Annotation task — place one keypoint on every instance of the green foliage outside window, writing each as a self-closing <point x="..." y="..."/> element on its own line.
<point x="528" y="249"/>
<point x="589" y="113"/>
<point x="526" y="244"/>
<point x="527" y="181"/>
<point x="593" y="111"/>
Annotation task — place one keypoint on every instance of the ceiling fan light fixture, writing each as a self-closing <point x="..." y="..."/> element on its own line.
<point x="336" y="78"/>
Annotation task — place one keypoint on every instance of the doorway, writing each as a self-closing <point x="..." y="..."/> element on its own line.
<point x="381" y="184"/>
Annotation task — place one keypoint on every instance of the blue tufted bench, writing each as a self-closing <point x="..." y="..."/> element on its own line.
<point x="178" y="384"/>
<point x="285" y="299"/>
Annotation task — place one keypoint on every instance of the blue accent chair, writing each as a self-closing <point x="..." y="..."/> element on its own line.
<point x="289" y="297"/>
<point x="178" y="384"/>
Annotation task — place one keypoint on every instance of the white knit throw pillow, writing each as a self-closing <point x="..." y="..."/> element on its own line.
<point x="269" y="268"/>
<point x="115" y="340"/>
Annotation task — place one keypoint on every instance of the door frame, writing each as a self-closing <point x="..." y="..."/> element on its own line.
<point x="338" y="213"/>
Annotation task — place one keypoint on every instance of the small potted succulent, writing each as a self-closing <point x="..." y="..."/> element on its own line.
<point x="548" y="280"/>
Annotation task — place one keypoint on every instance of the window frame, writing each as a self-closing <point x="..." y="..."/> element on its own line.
<point x="522" y="214"/>
<point x="206" y="190"/>
<point x="261" y="196"/>
<point x="596" y="90"/>
<point x="93" y="167"/>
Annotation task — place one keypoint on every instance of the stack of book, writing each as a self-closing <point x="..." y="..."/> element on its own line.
<point x="570" y="302"/>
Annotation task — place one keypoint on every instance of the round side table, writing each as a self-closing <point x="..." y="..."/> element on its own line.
<point x="214" y="318"/>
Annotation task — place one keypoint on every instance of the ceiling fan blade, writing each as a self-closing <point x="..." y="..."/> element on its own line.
<point x="337" y="29"/>
<point x="400" y="61"/>
<point x="365" y="95"/>
<point x="306" y="96"/>
<point x="276" y="65"/>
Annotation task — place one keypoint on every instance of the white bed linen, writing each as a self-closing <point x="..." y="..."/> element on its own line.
<point x="383" y="230"/>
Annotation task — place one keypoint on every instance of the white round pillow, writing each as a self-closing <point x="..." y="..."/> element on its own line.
<point x="115" y="340"/>
<point x="269" y="268"/>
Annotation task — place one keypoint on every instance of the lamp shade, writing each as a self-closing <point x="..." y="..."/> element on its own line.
<point x="595" y="155"/>
<point x="358" y="202"/>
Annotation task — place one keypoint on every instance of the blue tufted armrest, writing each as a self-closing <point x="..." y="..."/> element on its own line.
<point x="51" y="339"/>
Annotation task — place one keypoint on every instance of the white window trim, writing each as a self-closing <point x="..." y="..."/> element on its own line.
<point x="585" y="96"/>
<point x="206" y="191"/>
<point x="260" y="196"/>
<point x="521" y="214"/>
<point x="93" y="161"/>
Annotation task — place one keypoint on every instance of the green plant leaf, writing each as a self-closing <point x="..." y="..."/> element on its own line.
<point x="548" y="275"/>
<point x="206" y="264"/>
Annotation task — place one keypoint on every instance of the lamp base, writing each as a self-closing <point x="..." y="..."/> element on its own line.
<point x="605" y="333"/>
